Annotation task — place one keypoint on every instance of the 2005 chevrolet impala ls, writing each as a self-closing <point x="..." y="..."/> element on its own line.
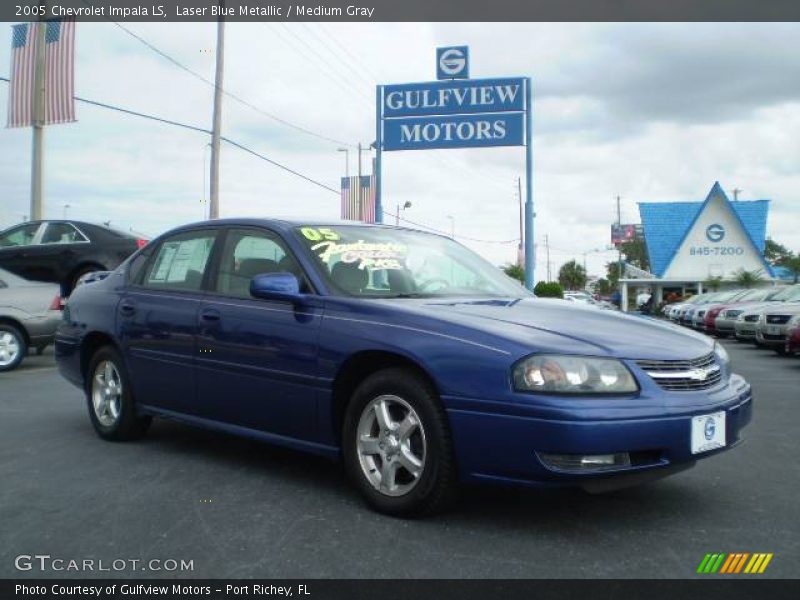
<point x="406" y="354"/>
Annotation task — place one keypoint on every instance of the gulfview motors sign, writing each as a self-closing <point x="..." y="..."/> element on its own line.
<point x="455" y="113"/>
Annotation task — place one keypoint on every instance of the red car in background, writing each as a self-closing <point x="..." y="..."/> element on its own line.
<point x="793" y="338"/>
<point x="746" y="299"/>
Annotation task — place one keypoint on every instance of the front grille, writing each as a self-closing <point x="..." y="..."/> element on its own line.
<point x="778" y="319"/>
<point x="751" y="318"/>
<point x="684" y="375"/>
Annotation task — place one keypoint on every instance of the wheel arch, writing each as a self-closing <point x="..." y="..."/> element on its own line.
<point x="358" y="367"/>
<point x="90" y="344"/>
<point x="6" y="320"/>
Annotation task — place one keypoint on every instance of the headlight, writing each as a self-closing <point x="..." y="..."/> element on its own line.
<point x="573" y="375"/>
<point x="795" y="320"/>
<point x="722" y="354"/>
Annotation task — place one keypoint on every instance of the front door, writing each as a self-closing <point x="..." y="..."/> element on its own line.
<point x="257" y="359"/>
<point x="157" y="319"/>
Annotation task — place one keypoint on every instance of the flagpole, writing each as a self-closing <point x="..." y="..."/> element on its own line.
<point x="37" y="157"/>
<point x="213" y="210"/>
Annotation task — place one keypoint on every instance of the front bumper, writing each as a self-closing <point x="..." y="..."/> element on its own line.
<point x="502" y="447"/>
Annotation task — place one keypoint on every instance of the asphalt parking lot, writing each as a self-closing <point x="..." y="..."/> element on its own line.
<point x="241" y="509"/>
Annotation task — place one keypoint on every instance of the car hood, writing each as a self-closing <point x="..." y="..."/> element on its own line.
<point x="555" y="325"/>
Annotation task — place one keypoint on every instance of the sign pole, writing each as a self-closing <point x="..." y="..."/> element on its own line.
<point x="378" y="150"/>
<point x="37" y="154"/>
<point x="529" y="258"/>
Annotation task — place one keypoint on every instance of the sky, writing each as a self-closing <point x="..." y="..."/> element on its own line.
<point x="647" y="112"/>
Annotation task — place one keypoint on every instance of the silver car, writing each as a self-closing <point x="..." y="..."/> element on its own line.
<point x="29" y="314"/>
<point x="720" y="298"/>
<point x="773" y="325"/>
<point x="725" y="322"/>
<point x="747" y="322"/>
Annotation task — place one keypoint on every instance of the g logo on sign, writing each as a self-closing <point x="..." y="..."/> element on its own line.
<point x="710" y="428"/>
<point x="715" y="232"/>
<point x="452" y="62"/>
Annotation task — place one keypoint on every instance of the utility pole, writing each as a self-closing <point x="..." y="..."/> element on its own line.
<point x="213" y="209"/>
<point x="37" y="157"/>
<point x="358" y="187"/>
<point x="547" y="247"/>
<point x="736" y="192"/>
<point x="619" y="247"/>
<point x="520" y="260"/>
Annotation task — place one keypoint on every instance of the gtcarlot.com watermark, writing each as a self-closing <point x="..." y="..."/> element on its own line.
<point x="47" y="563"/>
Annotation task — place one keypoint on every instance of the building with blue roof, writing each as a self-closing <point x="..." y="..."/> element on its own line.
<point x="689" y="243"/>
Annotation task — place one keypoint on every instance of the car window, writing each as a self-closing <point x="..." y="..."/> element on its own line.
<point x="19" y="236"/>
<point x="62" y="233"/>
<point x="248" y="253"/>
<point x="180" y="262"/>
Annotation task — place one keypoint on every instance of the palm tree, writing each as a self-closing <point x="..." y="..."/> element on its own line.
<point x="747" y="279"/>
<point x="792" y="264"/>
<point x="713" y="283"/>
<point x="572" y="276"/>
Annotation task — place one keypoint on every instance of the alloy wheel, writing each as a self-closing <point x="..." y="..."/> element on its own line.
<point x="391" y="445"/>
<point x="106" y="393"/>
<point x="9" y="348"/>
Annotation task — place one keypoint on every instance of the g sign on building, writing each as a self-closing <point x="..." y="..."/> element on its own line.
<point x="691" y="242"/>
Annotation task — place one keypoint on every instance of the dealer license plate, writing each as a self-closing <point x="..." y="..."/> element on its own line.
<point x="708" y="432"/>
<point x="773" y="330"/>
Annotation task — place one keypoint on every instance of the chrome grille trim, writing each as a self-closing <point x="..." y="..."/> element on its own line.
<point x="778" y="319"/>
<point x="684" y="375"/>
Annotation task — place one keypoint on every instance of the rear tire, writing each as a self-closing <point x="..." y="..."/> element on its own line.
<point x="397" y="446"/>
<point x="109" y="397"/>
<point x="72" y="284"/>
<point x="13" y="347"/>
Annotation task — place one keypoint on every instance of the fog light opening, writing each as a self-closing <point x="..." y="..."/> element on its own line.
<point x="586" y="462"/>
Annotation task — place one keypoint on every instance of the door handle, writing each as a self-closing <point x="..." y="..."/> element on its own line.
<point x="211" y="315"/>
<point x="127" y="309"/>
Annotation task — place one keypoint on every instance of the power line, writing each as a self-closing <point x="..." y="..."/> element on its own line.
<point x="267" y="159"/>
<point x="201" y="130"/>
<point x="230" y="95"/>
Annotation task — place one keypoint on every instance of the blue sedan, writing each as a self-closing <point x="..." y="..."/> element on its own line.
<point x="403" y="353"/>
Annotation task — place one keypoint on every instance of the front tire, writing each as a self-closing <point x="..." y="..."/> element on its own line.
<point x="397" y="446"/>
<point x="110" y="400"/>
<point x="13" y="347"/>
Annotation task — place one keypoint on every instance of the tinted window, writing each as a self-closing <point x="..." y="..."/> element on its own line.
<point x="180" y="261"/>
<point x="248" y="253"/>
<point x="19" y="236"/>
<point x="62" y="233"/>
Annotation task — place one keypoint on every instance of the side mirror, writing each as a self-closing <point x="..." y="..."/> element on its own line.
<point x="276" y="286"/>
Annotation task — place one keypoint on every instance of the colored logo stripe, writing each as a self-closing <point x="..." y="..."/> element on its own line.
<point x="734" y="563"/>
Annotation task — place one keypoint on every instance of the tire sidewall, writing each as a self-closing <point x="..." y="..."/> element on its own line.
<point x="23" y="346"/>
<point x="127" y="408"/>
<point x="423" y="400"/>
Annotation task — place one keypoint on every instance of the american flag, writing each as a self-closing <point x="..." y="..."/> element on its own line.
<point x="350" y="199"/>
<point x="59" y="73"/>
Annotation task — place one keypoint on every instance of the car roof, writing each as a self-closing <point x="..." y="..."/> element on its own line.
<point x="286" y="224"/>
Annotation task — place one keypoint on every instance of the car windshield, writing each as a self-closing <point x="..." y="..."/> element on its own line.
<point x="788" y="294"/>
<point x="384" y="262"/>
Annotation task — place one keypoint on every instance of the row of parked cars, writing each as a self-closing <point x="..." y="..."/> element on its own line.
<point x="41" y="262"/>
<point x="768" y="317"/>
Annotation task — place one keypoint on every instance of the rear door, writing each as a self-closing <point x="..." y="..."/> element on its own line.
<point x="56" y="254"/>
<point x="257" y="363"/>
<point x="15" y="246"/>
<point x="157" y="319"/>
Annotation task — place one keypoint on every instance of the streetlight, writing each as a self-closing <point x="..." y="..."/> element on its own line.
<point x="452" y="226"/>
<point x="399" y="208"/>
<point x="346" y="160"/>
